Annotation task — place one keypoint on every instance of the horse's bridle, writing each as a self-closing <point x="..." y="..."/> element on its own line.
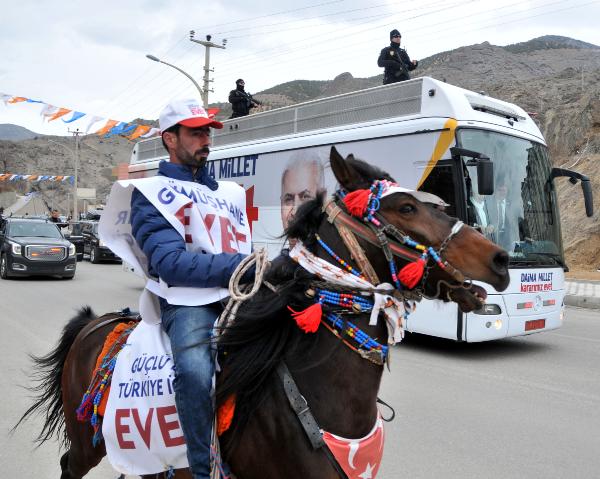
<point x="390" y="239"/>
<point x="335" y="288"/>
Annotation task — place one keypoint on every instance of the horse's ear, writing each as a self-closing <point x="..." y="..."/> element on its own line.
<point x="346" y="175"/>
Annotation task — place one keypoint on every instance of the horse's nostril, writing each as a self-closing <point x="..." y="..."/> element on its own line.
<point x="501" y="261"/>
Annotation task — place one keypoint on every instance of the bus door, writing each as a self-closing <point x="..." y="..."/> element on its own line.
<point x="435" y="318"/>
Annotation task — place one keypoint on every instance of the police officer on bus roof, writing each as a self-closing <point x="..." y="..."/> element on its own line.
<point x="395" y="61"/>
<point x="241" y="101"/>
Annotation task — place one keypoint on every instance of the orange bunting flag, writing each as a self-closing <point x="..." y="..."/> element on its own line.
<point x="48" y="111"/>
<point x="152" y="132"/>
<point x="139" y="131"/>
<point x="107" y="127"/>
<point x="17" y="99"/>
<point x="59" y="113"/>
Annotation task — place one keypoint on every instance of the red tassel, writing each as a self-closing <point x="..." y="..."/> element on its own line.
<point x="412" y="273"/>
<point x="357" y="202"/>
<point x="225" y="415"/>
<point x="309" y="319"/>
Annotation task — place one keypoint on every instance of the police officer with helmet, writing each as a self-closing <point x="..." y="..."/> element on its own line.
<point x="241" y="101"/>
<point x="395" y="61"/>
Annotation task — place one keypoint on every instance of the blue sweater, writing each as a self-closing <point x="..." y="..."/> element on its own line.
<point x="165" y="248"/>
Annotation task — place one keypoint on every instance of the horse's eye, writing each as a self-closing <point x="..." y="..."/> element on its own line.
<point x="406" y="209"/>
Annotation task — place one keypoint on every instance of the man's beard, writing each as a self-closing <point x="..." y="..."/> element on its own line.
<point x="196" y="160"/>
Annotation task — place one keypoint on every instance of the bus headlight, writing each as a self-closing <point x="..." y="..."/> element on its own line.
<point x="488" y="309"/>
<point x="495" y="324"/>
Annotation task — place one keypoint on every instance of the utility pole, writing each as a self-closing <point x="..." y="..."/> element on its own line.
<point x="207" y="45"/>
<point x="76" y="134"/>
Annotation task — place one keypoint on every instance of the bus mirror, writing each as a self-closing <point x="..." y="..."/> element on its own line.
<point x="588" y="197"/>
<point x="485" y="176"/>
<point x="485" y="168"/>
<point x="586" y="186"/>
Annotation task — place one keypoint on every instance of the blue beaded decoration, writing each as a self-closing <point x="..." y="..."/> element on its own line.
<point x="343" y="263"/>
<point x="364" y="341"/>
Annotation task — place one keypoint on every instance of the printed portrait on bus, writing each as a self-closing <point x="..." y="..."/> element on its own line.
<point x="301" y="180"/>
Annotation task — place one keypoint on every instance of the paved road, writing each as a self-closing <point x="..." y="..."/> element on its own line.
<point x="31" y="319"/>
<point x="516" y="408"/>
<point x="519" y="408"/>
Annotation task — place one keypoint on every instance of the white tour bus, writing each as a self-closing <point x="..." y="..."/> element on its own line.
<point x="485" y="157"/>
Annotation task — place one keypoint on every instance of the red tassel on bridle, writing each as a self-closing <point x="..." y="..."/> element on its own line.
<point x="412" y="273"/>
<point x="357" y="202"/>
<point x="309" y="319"/>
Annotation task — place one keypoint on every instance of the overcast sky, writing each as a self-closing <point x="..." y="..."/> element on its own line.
<point x="90" y="56"/>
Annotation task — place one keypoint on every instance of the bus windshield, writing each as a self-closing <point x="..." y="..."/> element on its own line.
<point x="522" y="214"/>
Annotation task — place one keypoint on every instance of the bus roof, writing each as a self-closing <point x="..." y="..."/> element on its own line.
<point x="409" y="100"/>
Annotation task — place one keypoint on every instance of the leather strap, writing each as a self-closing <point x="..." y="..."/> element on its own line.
<point x="122" y="317"/>
<point x="305" y="416"/>
<point x="342" y="218"/>
<point x="300" y="407"/>
<point x="357" y="253"/>
<point x="393" y="413"/>
<point x="339" y="217"/>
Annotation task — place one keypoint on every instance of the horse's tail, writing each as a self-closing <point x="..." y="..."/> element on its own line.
<point x="47" y="390"/>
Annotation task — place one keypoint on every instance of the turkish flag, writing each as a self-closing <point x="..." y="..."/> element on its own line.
<point x="359" y="458"/>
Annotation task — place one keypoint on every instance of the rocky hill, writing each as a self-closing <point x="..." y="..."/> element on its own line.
<point x="556" y="79"/>
<point x="98" y="160"/>
<point x="15" y="133"/>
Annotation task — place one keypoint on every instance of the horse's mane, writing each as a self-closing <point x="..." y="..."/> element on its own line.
<point x="263" y="331"/>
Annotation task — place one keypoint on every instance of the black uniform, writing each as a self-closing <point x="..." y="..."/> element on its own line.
<point x="241" y="102"/>
<point x="396" y="64"/>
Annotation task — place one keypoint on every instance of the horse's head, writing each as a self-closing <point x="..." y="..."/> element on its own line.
<point x="392" y="222"/>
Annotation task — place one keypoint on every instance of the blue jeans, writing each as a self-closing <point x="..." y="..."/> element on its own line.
<point x="189" y="328"/>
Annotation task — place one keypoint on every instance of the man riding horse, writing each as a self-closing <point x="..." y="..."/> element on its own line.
<point x="185" y="128"/>
<point x="302" y="361"/>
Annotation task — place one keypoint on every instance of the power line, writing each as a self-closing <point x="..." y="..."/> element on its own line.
<point x="281" y="52"/>
<point x="147" y="81"/>
<point x="460" y="22"/>
<point x="370" y="28"/>
<point x="420" y="35"/>
<point x="309" y="18"/>
<point x="315" y="64"/>
<point x="335" y="33"/>
<point x="271" y="15"/>
<point x="136" y="81"/>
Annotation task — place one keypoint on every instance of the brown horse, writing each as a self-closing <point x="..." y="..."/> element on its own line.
<point x="338" y="378"/>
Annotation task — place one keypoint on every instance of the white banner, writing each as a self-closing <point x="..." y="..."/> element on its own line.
<point x="209" y="221"/>
<point x="141" y="427"/>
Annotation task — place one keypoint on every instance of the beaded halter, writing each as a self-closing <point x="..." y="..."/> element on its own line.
<point x="364" y="204"/>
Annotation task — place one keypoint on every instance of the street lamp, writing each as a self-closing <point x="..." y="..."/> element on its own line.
<point x="75" y="161"/>
<point x="155" y="59"/>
